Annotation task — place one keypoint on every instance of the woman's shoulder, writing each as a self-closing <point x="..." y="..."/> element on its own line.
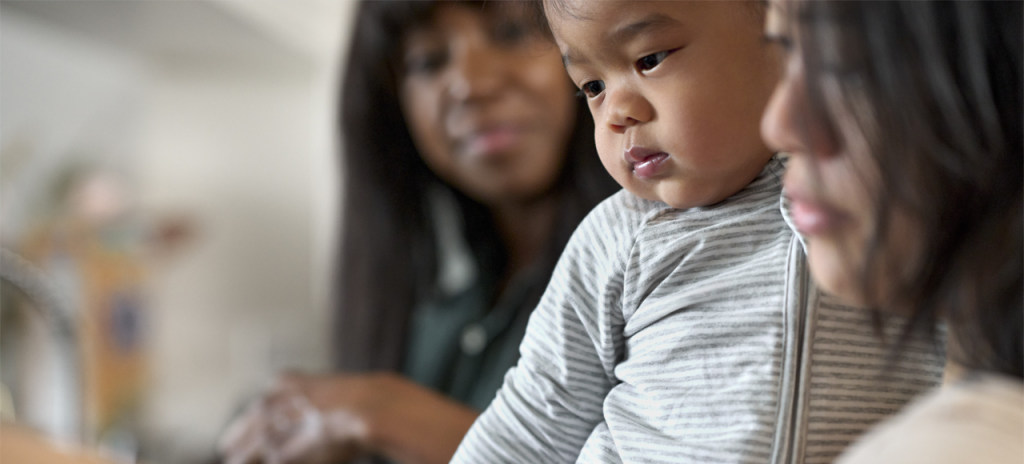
<point x="980" y="419"/>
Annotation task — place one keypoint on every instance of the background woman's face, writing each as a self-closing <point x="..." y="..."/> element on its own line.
<point x="488" y="103"/>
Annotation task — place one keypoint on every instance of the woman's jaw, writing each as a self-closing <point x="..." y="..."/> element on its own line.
<point x="842" y="225"/>
<point x="830" y="235"/>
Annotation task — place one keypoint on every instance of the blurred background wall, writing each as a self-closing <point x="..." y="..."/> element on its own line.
<point x="220" y="115"/>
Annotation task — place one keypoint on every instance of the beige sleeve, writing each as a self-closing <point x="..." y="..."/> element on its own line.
<point x="952" y="427"/>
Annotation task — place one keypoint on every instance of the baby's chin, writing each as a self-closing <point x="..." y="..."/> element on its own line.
<point x="678" y="194"/>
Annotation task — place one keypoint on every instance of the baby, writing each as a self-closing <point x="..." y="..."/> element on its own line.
<point x="680" y="325"/>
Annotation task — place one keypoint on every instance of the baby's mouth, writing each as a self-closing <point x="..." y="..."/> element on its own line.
<point x="646" y="163"/>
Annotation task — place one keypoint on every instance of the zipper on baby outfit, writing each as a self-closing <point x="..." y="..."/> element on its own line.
<point x="788" y="446"/>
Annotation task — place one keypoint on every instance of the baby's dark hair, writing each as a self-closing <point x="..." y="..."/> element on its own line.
<point x="536" y="12"/>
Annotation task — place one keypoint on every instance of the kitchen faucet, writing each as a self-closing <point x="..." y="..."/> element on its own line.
<point x="49" y="301"/>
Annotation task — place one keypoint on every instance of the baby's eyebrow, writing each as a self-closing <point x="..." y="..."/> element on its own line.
<point x="630" y="31"/>
<point x="570" y="58"/>
<point x="623" y="34"/>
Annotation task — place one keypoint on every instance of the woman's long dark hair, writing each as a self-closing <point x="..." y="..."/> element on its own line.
<point x="387" y="255"/>
<point x="936" y="87"/>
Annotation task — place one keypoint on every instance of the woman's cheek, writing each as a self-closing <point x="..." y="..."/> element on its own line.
<point x="426" y="123"/>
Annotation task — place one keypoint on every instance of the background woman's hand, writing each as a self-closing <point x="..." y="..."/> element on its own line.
<point x="329" y="419"/>
<point x="284" y="427"/>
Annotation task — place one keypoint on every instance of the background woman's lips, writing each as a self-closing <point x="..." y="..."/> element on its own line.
<point x="646" y="163"/>
<point x="492" y="140"/>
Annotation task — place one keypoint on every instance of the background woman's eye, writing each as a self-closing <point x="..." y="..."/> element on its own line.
<point x="426" y="63"/>
<point x="592" y="88"/>
<point x="510" y="32"/>
<point x="650" y="61"/>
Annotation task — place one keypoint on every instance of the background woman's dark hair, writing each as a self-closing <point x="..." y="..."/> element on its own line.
<point x="387" y="250"/>
<point x="936" y="86"/>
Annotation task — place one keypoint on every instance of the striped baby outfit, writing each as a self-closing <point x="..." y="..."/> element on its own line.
<point x="693" y="336"/>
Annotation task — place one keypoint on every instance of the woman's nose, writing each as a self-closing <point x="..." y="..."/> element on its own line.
<point x="626" y="108"/>
<point x="779" y="126"/>
<point x="476" y="72"/>
<point x="790" y="125"/>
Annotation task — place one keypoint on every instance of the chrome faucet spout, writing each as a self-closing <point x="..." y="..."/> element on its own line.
<point x="48" y="299"/>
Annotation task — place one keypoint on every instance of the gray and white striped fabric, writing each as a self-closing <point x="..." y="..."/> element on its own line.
<point x="692" y="336"/>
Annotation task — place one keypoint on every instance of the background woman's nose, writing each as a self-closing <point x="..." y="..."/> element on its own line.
<point x="476" y="71"/>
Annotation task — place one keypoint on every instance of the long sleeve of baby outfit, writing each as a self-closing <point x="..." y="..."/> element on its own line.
<point x="553" y="398"/>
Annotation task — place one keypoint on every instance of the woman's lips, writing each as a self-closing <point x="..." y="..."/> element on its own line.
<point x="646" y="163"/>
<point x="491" y="141"/>
<point x="812" y="219"/>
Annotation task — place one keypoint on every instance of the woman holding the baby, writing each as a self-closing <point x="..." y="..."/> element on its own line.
<point x="904" y="121"/>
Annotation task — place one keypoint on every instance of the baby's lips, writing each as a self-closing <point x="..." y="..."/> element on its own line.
<point x="637" y="154"/>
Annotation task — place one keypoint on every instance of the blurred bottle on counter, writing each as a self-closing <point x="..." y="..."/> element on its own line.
<point x="93" y="251"/>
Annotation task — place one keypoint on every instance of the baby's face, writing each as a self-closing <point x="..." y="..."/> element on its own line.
<point x="676" y="90"/>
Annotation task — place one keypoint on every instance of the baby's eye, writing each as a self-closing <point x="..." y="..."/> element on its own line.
<point x="650" y="61"/>
<point x="592" y="89"/>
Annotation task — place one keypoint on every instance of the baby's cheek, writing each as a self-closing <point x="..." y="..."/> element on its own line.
<point x="610" y="153"/>
<point x="617" y="170"/>
<point x="716" y="123"/>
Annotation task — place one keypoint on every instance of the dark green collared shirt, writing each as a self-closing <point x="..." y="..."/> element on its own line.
<point x="463" y="339"/>
<point x="461" y="345"/>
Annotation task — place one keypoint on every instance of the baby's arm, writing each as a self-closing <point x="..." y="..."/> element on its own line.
<point x="553" y="399"/>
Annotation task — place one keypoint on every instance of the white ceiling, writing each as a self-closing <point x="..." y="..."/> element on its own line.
<point x="221" y="29"/>
<point x="316" y="27"/>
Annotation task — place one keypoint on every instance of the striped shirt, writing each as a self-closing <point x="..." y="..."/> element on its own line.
<point x="693" y="335"/>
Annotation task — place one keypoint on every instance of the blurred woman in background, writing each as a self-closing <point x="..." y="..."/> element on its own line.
<point x="904" y="121"/>
<point x="468" y="163"/>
